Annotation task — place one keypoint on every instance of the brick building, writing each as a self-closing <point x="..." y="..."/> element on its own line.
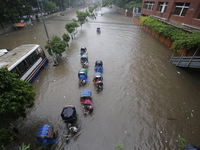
<point x="186" y="12"/>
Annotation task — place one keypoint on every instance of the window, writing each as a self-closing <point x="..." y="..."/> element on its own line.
<point x="15" y="70"/>
<point x="181" y="8"/>
<point x="23" y="67"/>
<point x="198" y="16"/>
<point x="149" y="5"/>
<point x="41" y="52"/>
<point x="162" y="6"/>
<point x="32" y="58"/>
<point x="35" y="56"/>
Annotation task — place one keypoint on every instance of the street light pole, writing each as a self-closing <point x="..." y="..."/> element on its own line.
<point x="49" y="41"/>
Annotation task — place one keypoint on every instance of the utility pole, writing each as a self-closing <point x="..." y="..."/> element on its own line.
<point x="49" y="41"/>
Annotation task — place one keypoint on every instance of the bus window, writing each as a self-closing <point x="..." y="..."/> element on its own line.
<point x="30" y="60"/>
<point x="41" y="52"/>
<point x="15" y="70"/>
<point x="23" y="67"/>
<point x="35" y="56"/>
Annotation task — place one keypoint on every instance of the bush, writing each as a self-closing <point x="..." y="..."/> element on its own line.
<point x="180" y="38"/>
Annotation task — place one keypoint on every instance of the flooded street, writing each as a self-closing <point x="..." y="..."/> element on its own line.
<point x="146" y="102"/>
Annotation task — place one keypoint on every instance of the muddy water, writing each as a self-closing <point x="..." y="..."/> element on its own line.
<point x="146" y="102"/>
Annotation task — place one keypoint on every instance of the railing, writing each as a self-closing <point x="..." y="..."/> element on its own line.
<point x="186" y="61"/>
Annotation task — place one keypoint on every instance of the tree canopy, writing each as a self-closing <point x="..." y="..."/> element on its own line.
<point x="57" y="45"/>
<point x="81" y="15"/>
<point x="126" y="4"/>
<point x="50" y="6"/>
<point x="91" y="9"/>
<point x="16" y="96"/>
<point x="71" y="26"/>
<point x="13" y="10"/>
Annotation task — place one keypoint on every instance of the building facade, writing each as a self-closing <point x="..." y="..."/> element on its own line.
<point x="186" y="12"/>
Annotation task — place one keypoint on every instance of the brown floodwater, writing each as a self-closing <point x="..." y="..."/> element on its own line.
<point x="146" y="103"/>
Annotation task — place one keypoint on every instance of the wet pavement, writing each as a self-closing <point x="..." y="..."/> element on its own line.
<point x="146" y="102"/>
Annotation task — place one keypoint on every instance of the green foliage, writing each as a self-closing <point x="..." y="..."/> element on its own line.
<point x="66" y="37"/>
<point x="106" y="2"/>
<point x="74" y="20"/>
<point x="96" y="5"/>
<point x="132" y="4"/>
<point x="87" y="14"/>
<point x="57" y="46"/>
<point x="13" y="10"/>
<point x="7" y="136"/>
<point x="91" y="9"/>
<point x="119" y="146"/>
<point x="50" y="6"/>
<point x="24" y="147"/>
<point x="180" y="38"/>
<point x="81" y="15"/>
<point x="16" y="96"/>
<point x="71" y="26"/>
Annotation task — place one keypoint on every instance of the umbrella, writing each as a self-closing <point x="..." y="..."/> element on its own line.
<point x="68" y="113"/>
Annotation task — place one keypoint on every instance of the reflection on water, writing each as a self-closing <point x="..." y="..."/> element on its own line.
<point x="146" y="102"/>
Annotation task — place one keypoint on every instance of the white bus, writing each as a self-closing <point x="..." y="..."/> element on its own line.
<point x="25" y="60"/>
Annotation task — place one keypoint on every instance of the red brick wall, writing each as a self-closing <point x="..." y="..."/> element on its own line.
<point x="189" y="18"/>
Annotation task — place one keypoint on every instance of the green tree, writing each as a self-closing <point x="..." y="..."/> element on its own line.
<point x="132" y="4"/>
<point x="16" y="96"/>
<point x="126" y="4"/>
<point x="91" y="9"/>
<point x="71" y="27"/>
<point x="50" y="6"/>
<point x="81" y="15"/>
<point x="66" y="37"/>
<point x="96" y="5"/>
<point x="56" y="47"/>
<point x="13" y="10"/>
<point x="7" y="136"/>
<point x="106" y="2"/>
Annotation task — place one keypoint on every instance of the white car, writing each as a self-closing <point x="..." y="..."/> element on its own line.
<point x="3" y="52"/>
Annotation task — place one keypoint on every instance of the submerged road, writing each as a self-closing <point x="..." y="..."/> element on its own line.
<point x="146" y="103"/>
